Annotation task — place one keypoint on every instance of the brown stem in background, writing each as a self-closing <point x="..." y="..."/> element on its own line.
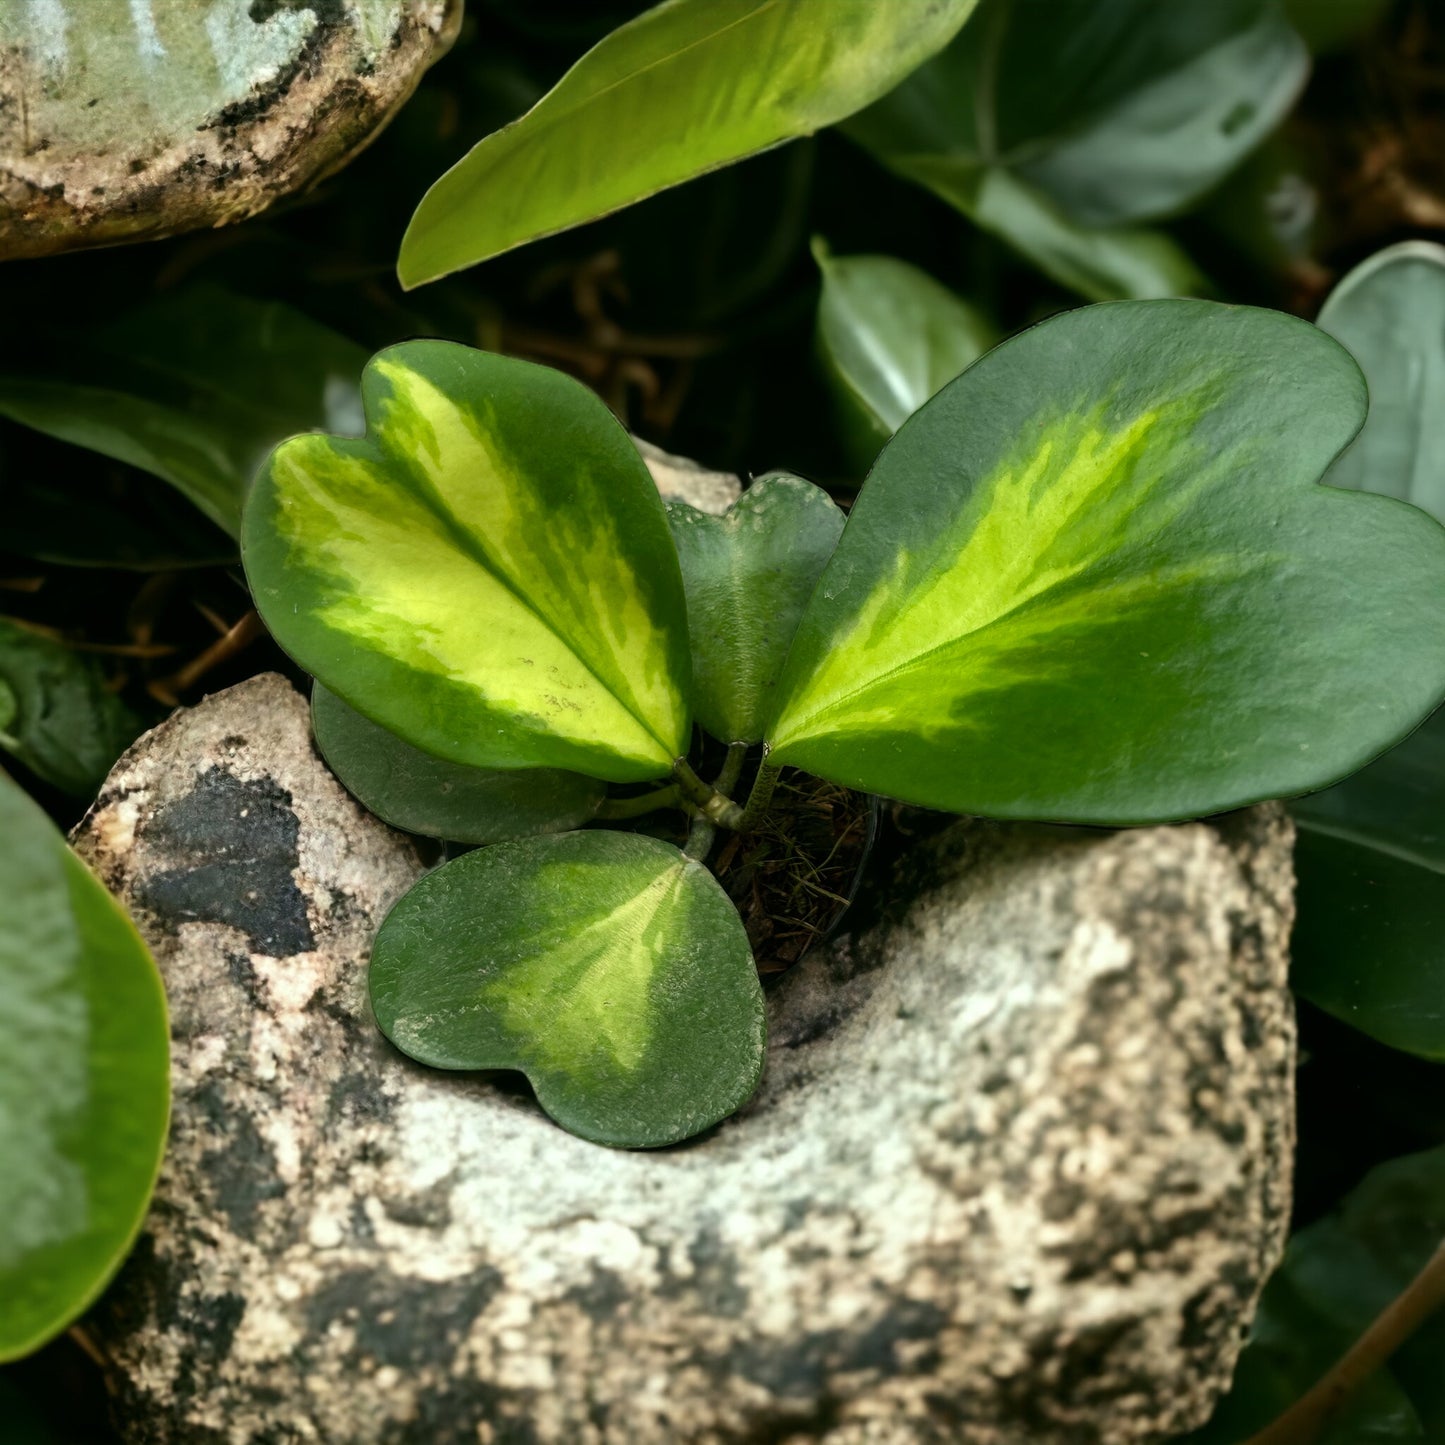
<point x="168" y="689"/>
<point x="1306" y="1419"/>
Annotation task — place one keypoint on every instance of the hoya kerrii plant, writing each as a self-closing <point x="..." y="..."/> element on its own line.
<point x="1094" y="580"/>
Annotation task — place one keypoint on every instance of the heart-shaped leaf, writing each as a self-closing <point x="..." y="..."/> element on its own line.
<point x="487" y="573"/>
<point x="748" y="576"/>
<point x="684" y="88"/>
<point x="890" y="336"/>
<point x="85" y="1085"/>
<point x="411" y="789"/>
<point x="1389" y="312"/>
<point x="1097" y="116"/>
<point x="57" y="716"/>
<point x="1369" y="939"/>
<point x="607" y="967"/>
<point x="195" y="388"/>
<point x="1094" y="580"/>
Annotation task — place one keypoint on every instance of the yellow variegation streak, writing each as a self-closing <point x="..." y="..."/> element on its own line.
<point x="581" y="582"/>
<point x="408" y="590"/>
<point x="588" y="987"/>
<point x="1043" y="520"/>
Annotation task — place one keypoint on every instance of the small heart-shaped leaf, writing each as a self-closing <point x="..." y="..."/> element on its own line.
<point x="487" y="573"/>
<point x="84" y="1083"/>
<point x="748" y="576"/>
<point x="1095" y="580"/>
<point x="1389" y="313"/>
<point x="607" y="967"/>
<point x="411" y="789"/>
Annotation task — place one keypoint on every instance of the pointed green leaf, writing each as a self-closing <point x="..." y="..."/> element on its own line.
<point x="1369" y="940"/>
<point x="487" y="574"/>
<point x="1389" y="312"/>
<point x="1094" y="579"/>
<point x="195" y="388"/>
<point x="1061" y="124"/>
<point x="84" y="1089"/>
<point x="890" y="336"/>
<point x="411" y="789"/>
<point x="607" y="967"/>
<point x="57" y="716"/>
<point x="686" y="87"/>
<point x="748" y="575"/>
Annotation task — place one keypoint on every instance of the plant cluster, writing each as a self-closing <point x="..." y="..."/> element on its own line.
<point x="1099" y="564"/>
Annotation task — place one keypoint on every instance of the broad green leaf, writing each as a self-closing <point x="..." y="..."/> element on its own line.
<point x="1094" y="580"/>
<point x="1369" y="939"/>
<point x="1045" y="120"/>
<point x="890" y="336"/>
<point x="686" y="87"/>
<point x="107" y="516"/>
<point x="84" y="1091"/>
<point x="607" y="967"/>
<point x="411" y="789"/>
<point x="56" y="715"/>
<point x="487" y="573"/>
<point x="1389" y="313"/>
<point x="748" y="576"/>
<point x="1336" y="1278"/>
<point x="195" y="388"/>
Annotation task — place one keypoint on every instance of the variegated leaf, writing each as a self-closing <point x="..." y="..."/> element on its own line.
<point x="487" y="573"/>
<point x="607" y="967"/>
<point x="1095" y="579"/>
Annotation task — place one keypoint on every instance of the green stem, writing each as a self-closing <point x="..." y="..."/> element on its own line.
<point x="760" y="797"/>
<point x="732" y="769"/>
<point x="699" y="839"/>
<point x="715" y="806"/>
<point x="612" y="810"/>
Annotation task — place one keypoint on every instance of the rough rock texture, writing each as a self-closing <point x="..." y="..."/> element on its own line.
<point x="1016" y="1171"/>
<point x="684" y="480"/>
<point x="123" y="121"/>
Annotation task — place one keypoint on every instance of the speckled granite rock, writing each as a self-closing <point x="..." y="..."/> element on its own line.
<point x="1017" y="1169"/>
<point x="123" y="121"/>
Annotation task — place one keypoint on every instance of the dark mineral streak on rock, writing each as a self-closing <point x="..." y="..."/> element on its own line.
<point x="1016" y="1172"/>
<point x="238" y="843"/>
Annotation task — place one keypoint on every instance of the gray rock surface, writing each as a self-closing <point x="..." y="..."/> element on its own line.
<point x="681" y="479"/>
<point x="1017" y="1169"/>
<point x="123" y="121"/>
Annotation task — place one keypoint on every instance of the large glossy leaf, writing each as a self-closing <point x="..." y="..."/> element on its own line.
<point x="487" y="574"/>
<point x="1094" y="580"/>
<point x="195" y="388"/>
<point x="890" y="336"/>
<point x="687" y="87"/>
<point x="1389" y="312"/>
<point x="84" y="1091"/>
<point x="57" y="716"/>
<point x="607" y="967"/>
<point x="1337" y="1276"/>
<point x="748" y="576"/>
<point x="1099" y="115"/>
<point x="411" y="789"/>
<point x="1369" y="939"/>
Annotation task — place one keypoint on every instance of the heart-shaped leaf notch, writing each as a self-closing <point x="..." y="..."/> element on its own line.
<point x="486" y="574"/>
<point x="607" y="967"/>
<point x="1095" y="580"/>
<point x="748" y="576"/>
